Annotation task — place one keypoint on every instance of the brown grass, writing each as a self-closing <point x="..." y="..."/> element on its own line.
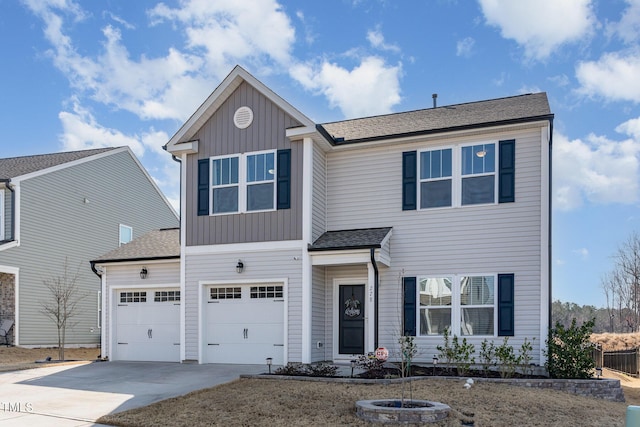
<point x="14" y="358"/>
<point x="611" y="342"/>
<point x="300" y="403"/>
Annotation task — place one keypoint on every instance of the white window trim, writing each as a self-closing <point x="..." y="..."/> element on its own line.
<point x="120" y="227"/>
<point x="456" y="175"/>
<point x="2" y="214"/>
<point x="242" y="182"/>
<point x="456" y="308"/>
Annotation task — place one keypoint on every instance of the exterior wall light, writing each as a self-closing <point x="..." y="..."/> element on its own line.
<point x="269" y="362"/>
<point x="239" y="266"/>
<point x="143" y="273"/>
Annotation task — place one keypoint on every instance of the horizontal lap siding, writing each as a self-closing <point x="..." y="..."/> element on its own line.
<point x="262" y="265"/>
<point x="219" y="136"/>
<point x="364" y="190"/>
<point x="319" y="202"/>
<point x="319" y="316"/>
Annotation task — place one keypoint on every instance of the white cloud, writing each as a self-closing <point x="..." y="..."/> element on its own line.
<point x="465" y="46"/>
<point x="582" y="252"/>
<point x="628" y="28"/>
<point x="614" y="76"/>
<point x="541" y="26"/>
<point x="373" y="87"/>
<point x="597" y="170"/>
<point x="560" y="80"/>
<point x="376" y="39"/>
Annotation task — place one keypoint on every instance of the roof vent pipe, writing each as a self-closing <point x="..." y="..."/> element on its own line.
<point x="435" y="97"/>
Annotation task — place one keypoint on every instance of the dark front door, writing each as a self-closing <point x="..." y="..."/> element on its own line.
<point x="351" y="324"/>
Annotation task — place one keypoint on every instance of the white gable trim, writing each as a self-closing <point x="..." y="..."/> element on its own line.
<point x="2" y="213"/>
<point x="217" y="98"/>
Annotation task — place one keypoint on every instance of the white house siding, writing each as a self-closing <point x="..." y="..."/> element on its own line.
<point x="319" y="202"/>
<point x="160" y="274"/>
<point x="56" y="224"/>
<point x="319" y="316"/>
<point x="264" y="265"/>
<point x="364" y="190"/>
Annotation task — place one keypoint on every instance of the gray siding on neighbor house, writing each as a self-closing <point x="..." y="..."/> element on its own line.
<point x="162" y="274"/>
<point x="264" y="266"/>
<point x="319" y="201"/>
<point x="6" y="213"/>
<point x="219" y="136"/>
<point x="364" y="190"/>
<point x="57" y="224"/>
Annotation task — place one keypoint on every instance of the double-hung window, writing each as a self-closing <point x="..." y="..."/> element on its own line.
<point x="478" y="169"/>
<point x="436" y="178"/>
<point x="463" y="304"/>
<point x="243" y="183"/>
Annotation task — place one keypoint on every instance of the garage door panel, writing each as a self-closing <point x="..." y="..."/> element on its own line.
<point x="255" y="354"/>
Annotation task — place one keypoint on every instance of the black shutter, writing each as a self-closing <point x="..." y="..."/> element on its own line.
<point x="507" y="171"/>
<point x="506" y="305"/>
<point x="203" y="187"/>
<point x="283" y="181"/>
<point x="409" y="180"/>
<point x="409" y="304"/>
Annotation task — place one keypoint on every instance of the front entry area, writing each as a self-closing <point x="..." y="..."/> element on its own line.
<point x="147" y="325"/>
<point x="244" y="324"/>
<point x="351" y="319"/>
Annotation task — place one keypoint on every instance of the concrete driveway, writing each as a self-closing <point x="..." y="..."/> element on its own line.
<point x="77" y="395"/>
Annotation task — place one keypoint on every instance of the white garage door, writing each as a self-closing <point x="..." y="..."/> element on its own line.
<point x="244" y="324"/>
<point x="148" y="325"/>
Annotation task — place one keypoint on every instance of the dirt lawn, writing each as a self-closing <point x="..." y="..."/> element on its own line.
<point x="14" y="358"/>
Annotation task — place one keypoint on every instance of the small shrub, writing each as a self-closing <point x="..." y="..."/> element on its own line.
<point x="293" y="369"/>
<point x="446" y="352"/>
<point x="408" y="350"/>
<point x="507" y="359"/>
<point x="462" y="352"/>
<point x="487" y="356"/>
<point x="524" y="359"/>
<point x="373" y="367"/>
<point x="569" y="351"/>
<point x="322" y="369"/>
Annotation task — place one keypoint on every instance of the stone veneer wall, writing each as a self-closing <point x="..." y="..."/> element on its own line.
<point x="7" y="300"/>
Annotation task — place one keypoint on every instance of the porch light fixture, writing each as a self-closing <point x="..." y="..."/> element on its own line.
<point x="239" y="266"/>
<point x="143" y="273"/>
<point x="435" y="363"/>
<point x="269" y="362"/>
<point x="353" y="365"/>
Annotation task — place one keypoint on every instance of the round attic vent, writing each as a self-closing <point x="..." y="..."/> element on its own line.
<point x="243" y="117"/>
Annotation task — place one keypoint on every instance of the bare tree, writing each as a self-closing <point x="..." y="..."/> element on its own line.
<point x="64" y="303"/>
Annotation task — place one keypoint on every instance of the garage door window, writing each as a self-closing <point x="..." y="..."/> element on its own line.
<point x="133" y="297"/>
<point x="266" y="292"/>
<point x="162" y="296"/>
<point x="225" y="293"/>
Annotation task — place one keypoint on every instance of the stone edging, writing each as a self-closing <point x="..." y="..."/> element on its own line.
<point x="606" y="389"/>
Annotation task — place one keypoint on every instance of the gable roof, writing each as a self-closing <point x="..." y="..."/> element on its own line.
<point x="364" y="238"/>
<point x="156" y="244"/>
<point x="501" y="111"/>
<point x="238" y="75"/>
<point x="17" y="166"/>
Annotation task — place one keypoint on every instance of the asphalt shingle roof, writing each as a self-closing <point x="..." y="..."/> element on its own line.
<point x="16" y="166"/>
<point x="350" y="239"/>
<point x="450" y="117"/>
<point x="156" y="244"/>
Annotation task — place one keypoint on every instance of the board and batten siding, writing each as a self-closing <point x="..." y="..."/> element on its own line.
<point x="120" y="277"/>
<point x="364" y="190"/>
<point x="219" y="136"/>
<point x="319" y="201"/>
<point x="57" y="225"/>
<point x="265" y="266"/>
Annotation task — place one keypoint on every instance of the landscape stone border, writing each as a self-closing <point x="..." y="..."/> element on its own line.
<point x="605" y="388"/>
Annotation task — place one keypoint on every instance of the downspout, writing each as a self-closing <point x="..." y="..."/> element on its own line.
<point x="375" y="296"/>
<point x="94" y="269"/>
<point x="550" y="220"/>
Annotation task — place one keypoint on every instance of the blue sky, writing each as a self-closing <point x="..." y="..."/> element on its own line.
<point x="78" y="75"/>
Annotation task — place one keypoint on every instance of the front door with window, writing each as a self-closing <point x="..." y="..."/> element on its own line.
<point x="351" y="319"/>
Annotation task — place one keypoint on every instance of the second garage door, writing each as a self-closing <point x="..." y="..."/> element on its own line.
<point x="244" y="324"/>
<point x="147" y="325"/>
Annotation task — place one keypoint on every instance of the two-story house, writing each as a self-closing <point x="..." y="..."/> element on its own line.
<point x="305" y="242"/>
<point x="68" y="208"/>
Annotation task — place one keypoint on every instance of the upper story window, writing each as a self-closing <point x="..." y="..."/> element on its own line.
<point x="469" y="174"/>
<point x="126" y="234"/>
<point x="243" y="183"/>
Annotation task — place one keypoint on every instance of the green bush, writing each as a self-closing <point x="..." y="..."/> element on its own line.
<point x="487" y="356"/>
<point x="322" y="369"/>
<point x="569" y="351"/>
<point x="457" y="352"/>
<point x="507" y="359"/>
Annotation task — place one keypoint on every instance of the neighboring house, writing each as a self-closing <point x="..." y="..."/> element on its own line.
<point x="305" y="242"/>
<point x="68" y="207"/>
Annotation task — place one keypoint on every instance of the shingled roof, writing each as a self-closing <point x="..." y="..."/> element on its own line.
<point x="156" y="244"/>
<point x="364" y="238"/>
<point x="529" y="107"/>
<point x="16" y="166"/>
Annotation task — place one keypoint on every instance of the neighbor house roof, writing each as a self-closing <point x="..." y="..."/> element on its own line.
<point x="16" y="166"/>
<point x="529" y="107"/>
<point x="364" y="238"/>
<point x="156" y="244"/>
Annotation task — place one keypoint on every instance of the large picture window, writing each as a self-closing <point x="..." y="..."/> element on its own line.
<point x="243" y="183"/>
<point x="463" y="304"/>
